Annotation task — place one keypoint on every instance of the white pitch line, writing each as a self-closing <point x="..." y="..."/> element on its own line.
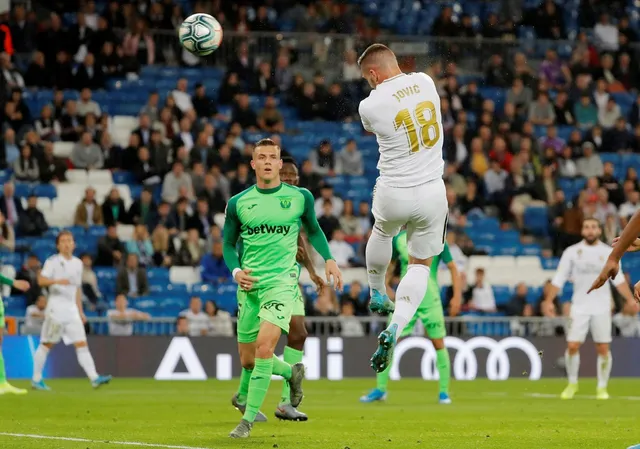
<point x="86" y="440"/>
<point x="551" y="396"/>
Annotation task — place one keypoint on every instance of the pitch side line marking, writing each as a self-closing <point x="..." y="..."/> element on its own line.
<point x="86" y="440"/>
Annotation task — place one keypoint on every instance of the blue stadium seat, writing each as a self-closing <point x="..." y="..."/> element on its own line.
<point x="537" y="220"/>
<point x="123" y="177"/>
<point x="23" y="190"/>
<point x="45" y="191"/>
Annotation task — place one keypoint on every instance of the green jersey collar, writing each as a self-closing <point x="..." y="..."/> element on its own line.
<point x="267" y="191"/>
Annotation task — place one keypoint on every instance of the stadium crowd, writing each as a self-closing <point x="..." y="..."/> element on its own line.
<point x="550" y="125"/>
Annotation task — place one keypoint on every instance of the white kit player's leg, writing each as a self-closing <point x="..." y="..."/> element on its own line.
<point x="85" y="360"/>
<point x="601" y="333"/>
<point x="51" y="334"/>
<point x="39" y="360"/>
<point x="576" y="335"/>
<point x="409" y="295"/>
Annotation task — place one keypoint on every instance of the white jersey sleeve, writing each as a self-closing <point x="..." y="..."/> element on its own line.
<point x="48" y="270"/>
<point x="565" y="266"/>
<point x="404" y="113"/>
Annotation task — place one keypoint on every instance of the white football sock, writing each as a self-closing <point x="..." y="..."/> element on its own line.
<point x="86" y="362"/>
<point x="604" y="370"/>
<point x="39" y="359"/>
<point x="378" y="255"/>
<point x="572" y="363"/>
<point x="410" y="294"/>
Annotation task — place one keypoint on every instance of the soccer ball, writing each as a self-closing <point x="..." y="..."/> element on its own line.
<point x="201" y="34"/>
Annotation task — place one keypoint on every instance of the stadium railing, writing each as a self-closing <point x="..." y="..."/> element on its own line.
<point x="326" y="50"/>
<point x="463" y="326"/>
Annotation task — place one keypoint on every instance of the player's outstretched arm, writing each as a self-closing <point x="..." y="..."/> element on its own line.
<point x="319" y="241"/>
<point x="15" y="283"/>
<point x="304" y="258"/>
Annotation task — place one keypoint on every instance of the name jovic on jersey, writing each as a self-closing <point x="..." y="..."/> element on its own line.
<point x="404" y="114"/>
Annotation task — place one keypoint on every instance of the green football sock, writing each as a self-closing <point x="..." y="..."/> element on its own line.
<point x="3" y="374"/>
<point x="243" y="388"/>
<point x="281" y="368"/>
<point x="444" y="369"/>
<point x="258" y="387"/>
<point x="291" y="356"/>
<point x="382" y="379"/>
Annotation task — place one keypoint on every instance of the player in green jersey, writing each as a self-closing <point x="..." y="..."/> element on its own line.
<point x="297" y="335"/>
<point x="6" y="387"/>
<point x="429" y="312"/>
<point x="267" y="217"/>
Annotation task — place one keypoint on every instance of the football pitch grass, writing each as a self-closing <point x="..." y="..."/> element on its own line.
<point x="511" y="414"/>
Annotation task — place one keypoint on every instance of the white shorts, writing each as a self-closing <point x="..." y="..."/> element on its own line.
<point x="580" y="324"/>
<point x="424" y="209"/>
<point x="71" y="331"/>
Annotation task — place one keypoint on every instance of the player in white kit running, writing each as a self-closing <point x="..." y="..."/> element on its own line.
<point x="580" y="263"/>
<point x="64" y="318"/>
<point x="403" y="111"/>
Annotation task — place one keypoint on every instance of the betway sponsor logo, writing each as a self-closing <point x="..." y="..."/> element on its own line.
<point x="268" y="229"/>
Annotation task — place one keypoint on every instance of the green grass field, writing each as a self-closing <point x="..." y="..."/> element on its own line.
<point x="511" y="414"/>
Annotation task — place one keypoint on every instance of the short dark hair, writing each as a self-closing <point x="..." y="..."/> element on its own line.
<point x="289" y="160"/>
<point x="373" y="50"/>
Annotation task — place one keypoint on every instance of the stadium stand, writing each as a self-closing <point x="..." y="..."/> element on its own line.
<point x="542" y="129"/>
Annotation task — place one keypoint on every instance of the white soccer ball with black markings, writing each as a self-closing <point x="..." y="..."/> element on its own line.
<point x="200" y="34"/>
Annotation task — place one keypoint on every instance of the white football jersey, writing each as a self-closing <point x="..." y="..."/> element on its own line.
<point x="581" y="263"/>
<point x="62" y="298"/>
<point x="404" y="114"/>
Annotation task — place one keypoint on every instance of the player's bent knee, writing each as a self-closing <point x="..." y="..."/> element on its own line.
<point x="80" y="344"/>
<point x="297" y="333"/>
<point x="573" y="347"/>
<point x="264" y="351"/>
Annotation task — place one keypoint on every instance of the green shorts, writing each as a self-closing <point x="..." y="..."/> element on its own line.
<point x="431" y="314"/>
<point x="273" y="304"/>
<point x="1" y="314"/>
<point x="298" y="305"/>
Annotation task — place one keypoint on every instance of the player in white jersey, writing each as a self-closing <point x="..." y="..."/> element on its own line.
<point x="580" y="263"/>
<point x="403" y="111"/>
<point x="64" y="318"/>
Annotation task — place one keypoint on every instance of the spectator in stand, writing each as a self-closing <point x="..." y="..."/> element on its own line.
<point x="606" y="34"/>
<point x="113" y="209"/>
<point x="47" y="127"/>
<point x="309" y="179"/>
<point x="629" y="207"/>
<point x="242" y="181"/>
<point x="89" y="74"/>
<point x="52" y="168"/>
<point x="349" y="160"/>
<point x="181" y="95"/>
<point x="191" y="250"/>
<point x="229" y="89"/>
<point x="32" y="222"/>
<point x="497" y="74"/>
<point x="139" y="44"/>
<point x="144" y="209"/>
<point x="25" y="168"/>
<point x="309" y="105"/>
<point x="70" y="122"/>
<point x="349" y="223"/>
<point x="626" y="72"/>
<point x="495" y="181"/>
<point x="204" y="106"/>
<point x="270" y="119"/>
<point x="88" y="212"/>
<point x="518" y="305"/>
<point x="323" y="159"/>
<point x="243" y="114"/>
<point x="590" y="164"/>
<point x="131" y="279"/>
<point x="618" y="138"/>
<point x="143" y="131"/>
<point x="213" y="193"/>
<point x="110" y="248"/>
<point x="181" y="214"/>
<point x="481" y="294"/>
<point x="144" y="171"/>
<point x="350" y="326"/>
<point x="14" y="118"/>
<point x="567" y="167"/>
<point x="12" y="77"/>
<point x="11" y="150"/>
<point x="603" y="208"/>
<point x="141" y="246"/>
<point x="90" y="291"/>
<point x="86" y="105"/>
<point x="29" y="272"/>
<point x="34" y="317"/>
<point x="551" y="140"/>
<point x="541" y="111"/>
<point x="326" y="194"/>
<point x="263" y="82"/>
<point x="365" y="216"/>
<point x="174" y="180"/>
<point x="608" y="116"/>
<point x="327" y="220"/>
<point x="520" y="96"/>
<point x="586" y="113"/>
<point x="213" y="269"/>
<point x="121" y="318"/>
<point x="86" y="154"/>
<point x="152" y="108"/>
<point x="7" y="235"/>
<point x="342" y="251"/>
<point x="197" y="320"/>
<point x="220" y="324"/>
<point x="23" y="30"/>
<point x="202" y="219"/>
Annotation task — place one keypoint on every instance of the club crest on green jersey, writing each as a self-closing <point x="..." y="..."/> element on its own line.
<point x="285" y="203"/>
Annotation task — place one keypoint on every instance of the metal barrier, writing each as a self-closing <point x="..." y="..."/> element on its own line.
<point x="465" y="326"/>
<point x="321" y="51"/>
